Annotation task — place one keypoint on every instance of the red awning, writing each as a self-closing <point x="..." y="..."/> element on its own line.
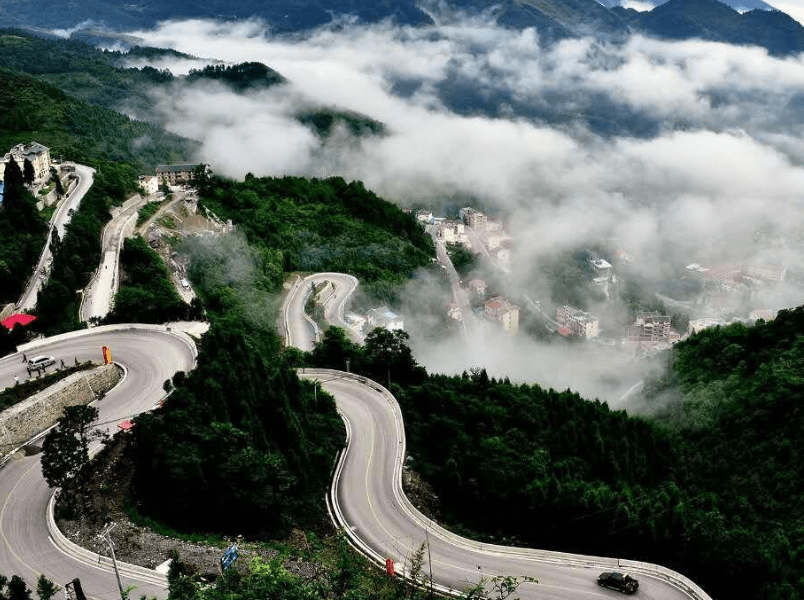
<point x="18" y="319"/>
<point x="125" y="425"/>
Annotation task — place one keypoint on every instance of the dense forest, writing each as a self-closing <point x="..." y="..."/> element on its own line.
<point x="146" y="293"/>
<point x="322" y="225"/>
<point x="242" y="443"/>
<point x="80" y="131"/>
<point x="705" y="488"/>
<point x="100" y="78"/>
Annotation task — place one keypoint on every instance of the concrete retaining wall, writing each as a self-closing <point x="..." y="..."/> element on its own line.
<point x="23" y="421"/>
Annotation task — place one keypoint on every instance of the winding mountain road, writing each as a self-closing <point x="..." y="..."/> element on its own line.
<point x="368" y="502"/>
<point x="58" y="222"/>
<point x="366" y="498"/>
<point x="150" y="355"/>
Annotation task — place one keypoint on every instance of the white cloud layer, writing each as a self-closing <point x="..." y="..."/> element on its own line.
<point x="687" y="144"/>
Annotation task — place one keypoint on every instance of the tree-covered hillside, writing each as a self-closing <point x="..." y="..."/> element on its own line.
<point x="81" y="131"/>
<point x="713" y="487"/>
<point x="322" y="225"/>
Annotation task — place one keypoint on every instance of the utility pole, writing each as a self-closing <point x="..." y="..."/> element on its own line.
<point x="105" y="535"/>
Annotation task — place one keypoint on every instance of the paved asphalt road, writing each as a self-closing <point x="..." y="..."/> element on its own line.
<point x="58" y="222"/>
<point x="300" y="331"/>
<point x="99" y="293"/>
<point x="375" y="510"/>
<point x="151" y="355"/>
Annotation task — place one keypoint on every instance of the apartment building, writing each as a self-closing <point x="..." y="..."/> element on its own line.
<point x="501" y="310"/>
<point x="473" y="218"/>
<point x="574" y="321"/>
<point x="36" y="153"/>
<point x="650" y="327"/>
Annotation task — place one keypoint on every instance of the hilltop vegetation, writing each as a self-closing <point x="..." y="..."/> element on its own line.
<point x="248" y="75"/>
<point x="78" y="130"/>
<point x="321" y="225"/>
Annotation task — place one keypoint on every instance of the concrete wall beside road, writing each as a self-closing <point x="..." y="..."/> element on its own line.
<point x="23" y="421"/>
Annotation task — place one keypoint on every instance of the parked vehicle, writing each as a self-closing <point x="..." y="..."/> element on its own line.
<point x="40" y="362"/>
<point x="618" y="581"/>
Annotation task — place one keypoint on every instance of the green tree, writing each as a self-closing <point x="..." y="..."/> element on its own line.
<point x="496" y="588"/>
<point x="28" y="173"/>
<point x="387" y="351"/>
<point x="65" y="450"/>
<point x="45" y="588"/>
<point x="14" y="184"/>
<point x="17" y="589"/>
<point x="54" y="175"/>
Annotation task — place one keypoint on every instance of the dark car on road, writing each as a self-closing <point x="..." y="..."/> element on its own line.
<point x="618" y="581"/>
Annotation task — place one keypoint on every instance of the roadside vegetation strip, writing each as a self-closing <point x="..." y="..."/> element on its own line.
<point x="149" y="210"/>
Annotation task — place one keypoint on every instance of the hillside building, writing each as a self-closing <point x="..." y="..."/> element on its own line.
<point x="696" y="325"/>
<point x="382" y="317"/>
<point x="473" y="218"/>
<point x="574" y="321"/>
<point x="500" y="310"/>
<point x="149" y="183"/>
<point x="179" y="174"/>
<point x="36" y="153"/>
<point x="650" y="327"/>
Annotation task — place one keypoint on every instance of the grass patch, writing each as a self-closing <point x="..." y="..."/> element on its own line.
<point x="148" y="211"/>
<point x="47" y="212"/>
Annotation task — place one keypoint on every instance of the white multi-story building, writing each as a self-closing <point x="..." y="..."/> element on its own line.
<point x="149" y="183"/>
<point x="650" y="327"/>
<point x="36" y="153"/>
<point x="452" y="232"/>
<point x="473" y="218"/>
<point x="696" y="325"/>
<point x="575" y="321"/>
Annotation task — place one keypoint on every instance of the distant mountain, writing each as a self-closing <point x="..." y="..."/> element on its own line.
<point x="715" y="21"/>
<point x="738" y="5"/>
<point x="553" y="19"/>
<point x="121" y="15"/>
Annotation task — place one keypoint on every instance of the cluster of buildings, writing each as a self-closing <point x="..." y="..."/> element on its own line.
<point x="178" y="174"/>
<point x="488" y="233"/>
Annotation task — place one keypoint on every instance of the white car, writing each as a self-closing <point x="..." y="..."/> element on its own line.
<point x="40" y="362"/>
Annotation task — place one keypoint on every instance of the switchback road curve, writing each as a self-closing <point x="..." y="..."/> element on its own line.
<point x="368" y="502"/>
<point x="150" y="354"/>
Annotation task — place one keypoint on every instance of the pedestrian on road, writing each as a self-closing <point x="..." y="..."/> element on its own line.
<point x="16" y="380"/>
<point x="62" y="363"/>
<point x="29" y="371"/>
<point x="24" y="358"/>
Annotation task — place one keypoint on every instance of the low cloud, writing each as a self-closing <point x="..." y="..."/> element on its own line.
<point x="685" y="145"/>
